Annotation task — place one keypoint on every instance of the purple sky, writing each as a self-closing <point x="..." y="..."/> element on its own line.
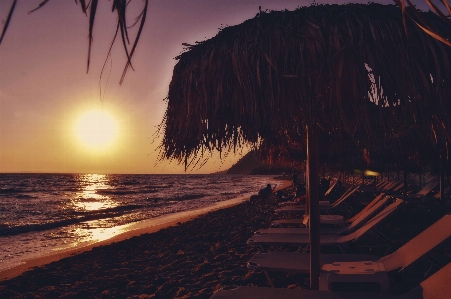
<point x="44" y="86"/>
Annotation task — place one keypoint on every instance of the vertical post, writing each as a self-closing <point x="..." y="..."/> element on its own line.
<point x="446" y="163"/>
<point x="405" y="175"/>
<point x="442" y="174"/>
<point x="313" y="199"/>
<point x="420" y="180"/>
<point x="363" y="179"/>
<point x="405" y="181"/>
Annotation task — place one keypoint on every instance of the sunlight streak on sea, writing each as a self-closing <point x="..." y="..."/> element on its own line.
<point x="45" y="213"/>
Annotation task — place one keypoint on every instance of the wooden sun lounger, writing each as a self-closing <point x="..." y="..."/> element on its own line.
<point x="419" y="246"/>
<point x="370" y="210"/>
<point x="437" y="286"/>
<point x="325" y="239"/>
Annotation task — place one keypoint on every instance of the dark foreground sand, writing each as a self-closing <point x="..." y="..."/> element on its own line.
<point x="193" y="259"/>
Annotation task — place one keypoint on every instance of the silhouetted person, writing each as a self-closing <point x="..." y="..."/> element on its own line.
<point x="264" y="193"/>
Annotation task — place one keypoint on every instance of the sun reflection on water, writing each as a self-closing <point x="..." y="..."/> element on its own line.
<point x="87" y="199"/>
<point x="98" y="234"/>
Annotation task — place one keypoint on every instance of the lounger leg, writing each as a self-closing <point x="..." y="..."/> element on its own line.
<point x="381" y="236"/>
<point x="268" y="278"/>
<point x="434" y="264"/>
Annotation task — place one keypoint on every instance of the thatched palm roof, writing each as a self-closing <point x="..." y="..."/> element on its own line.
<point x="270" y="76"/>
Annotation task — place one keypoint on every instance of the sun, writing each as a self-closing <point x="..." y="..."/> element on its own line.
<point x="96" y="129"/>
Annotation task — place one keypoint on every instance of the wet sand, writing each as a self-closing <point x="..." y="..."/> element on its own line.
<point x="195" y="258"/>
<point x="124" y="232"/>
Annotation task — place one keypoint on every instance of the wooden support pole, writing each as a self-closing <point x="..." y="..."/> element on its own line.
<point x="405" y="182"/>
<point x="363" y="179"/>
<point x="313" y="199"/>
<point x="442" y="174"/>
<point x="420" y="180"/>
<point x="405" y="175"/>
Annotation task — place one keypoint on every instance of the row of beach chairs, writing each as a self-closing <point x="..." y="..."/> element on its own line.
<point x="345" y="275"/>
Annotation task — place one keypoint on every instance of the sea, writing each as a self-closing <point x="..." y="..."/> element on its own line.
<point x="41" y="214"/>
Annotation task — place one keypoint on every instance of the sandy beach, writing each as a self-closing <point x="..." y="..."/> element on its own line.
<point x="195" y="258"/>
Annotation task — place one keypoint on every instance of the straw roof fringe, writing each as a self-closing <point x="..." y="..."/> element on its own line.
<point x="270" y="76"/>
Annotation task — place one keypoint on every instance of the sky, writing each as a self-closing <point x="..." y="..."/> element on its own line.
<point x="45" y="92"/>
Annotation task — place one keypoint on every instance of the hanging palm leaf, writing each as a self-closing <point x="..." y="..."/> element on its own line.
<point x="119" y="6"/>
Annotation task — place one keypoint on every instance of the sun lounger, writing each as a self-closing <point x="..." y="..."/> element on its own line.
<point x="445" y="192"/>
<point x="325" y="239"/>
<point x="376" y="205"/>
<point x="437" y="286"/>
<point x="297" y="221"/>
<point x="398" y="188"/>
<point x="425" y="190"/>
<point x="369" y="206"/>
<point x="389" y="187"/>
<point x="296" y="207"/>
<point x="420" y="246"/>
<point x="331" y="187"/>
<point x="323" y="205"/>
<point x="381" y="183"/>
<point x="429" y="179"/>
<point x="386" y="185"/>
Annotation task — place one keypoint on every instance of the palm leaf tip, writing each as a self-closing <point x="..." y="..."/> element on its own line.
<point x="8" y="20"/>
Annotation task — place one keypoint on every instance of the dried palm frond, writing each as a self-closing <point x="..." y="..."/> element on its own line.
<point x="349" y="69"/>
<point x="120" y="7"/>
<point x="8" y="19"/>
<point x="414" y="13"/>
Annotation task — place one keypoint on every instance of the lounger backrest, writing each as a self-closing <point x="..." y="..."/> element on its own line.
<point x="368" y="206"/>
<point x="344" y="197"/>
<point x="381" y="184"/>
<point x="390" y="186"/>
<point x="419" y="246"/>
<point x="437" y="286"/>
<point x="399" y="187"/>
<point x="445" y="192"/>
<point x="372" y="222"/>
<point x="370" y="212"/>
<point x="332" y="186"/>
<point x="427" y="189"/>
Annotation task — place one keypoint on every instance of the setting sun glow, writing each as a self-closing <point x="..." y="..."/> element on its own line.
<point x="96" y="129"/>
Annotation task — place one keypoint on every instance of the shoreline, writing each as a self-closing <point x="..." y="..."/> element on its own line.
<point x="128" y="231"/>
<point x="195" y="259"/>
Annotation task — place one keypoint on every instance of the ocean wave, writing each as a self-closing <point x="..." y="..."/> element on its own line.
<point x="24" y="196"/>
<point x="164" y="186"/>
<point x="124" y="191"/>
<point x="227" y="193"/>
<point x="10" y="190"/>
<point x="109" y="210"/>
<point x="188" y="197"/>
<point x="77" y="217"/>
